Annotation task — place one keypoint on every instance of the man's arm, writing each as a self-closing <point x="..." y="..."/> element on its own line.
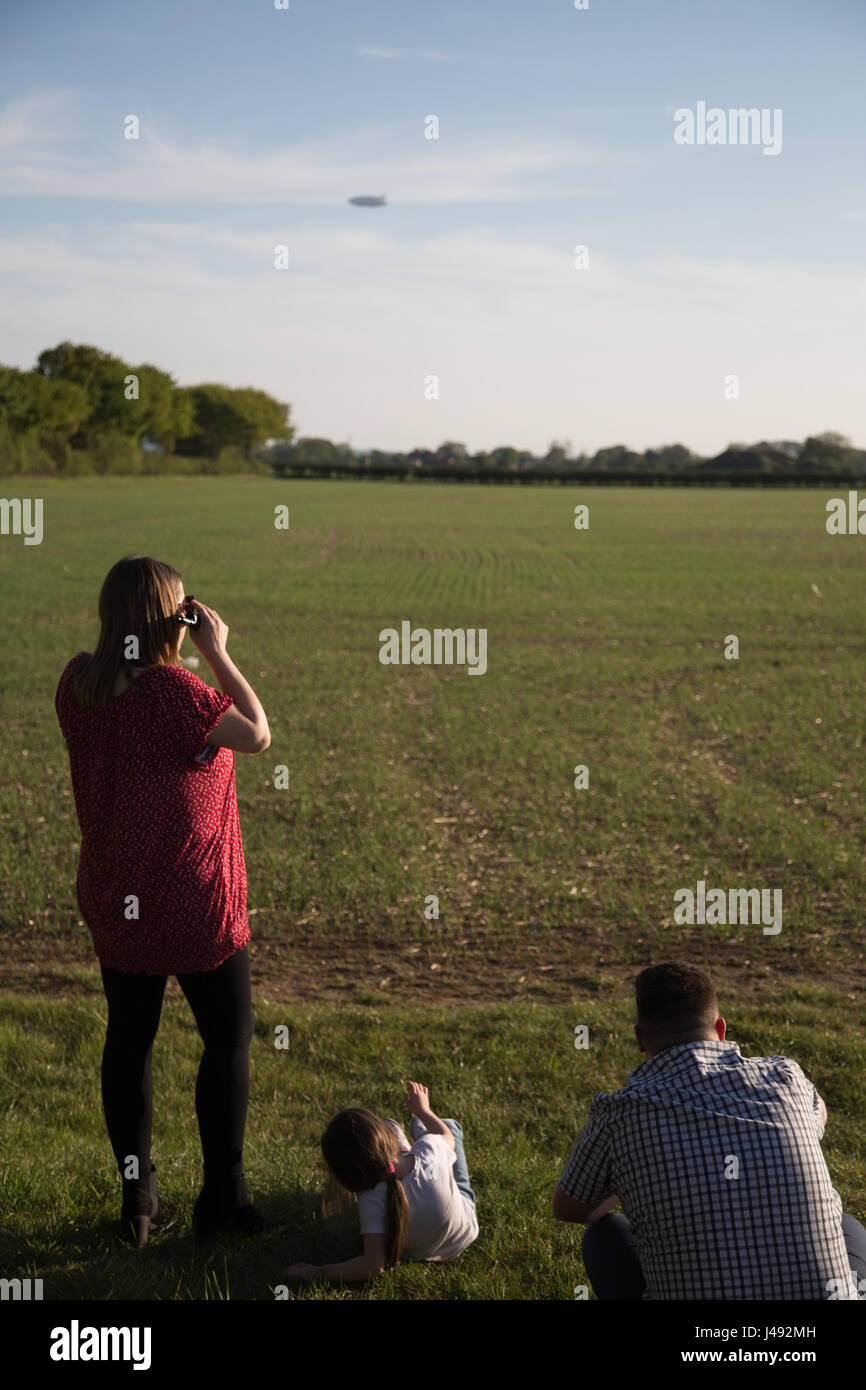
<point x="808" y="1089"/>
<point x="565" y="1208"/>
<point x="588" y="1170"/>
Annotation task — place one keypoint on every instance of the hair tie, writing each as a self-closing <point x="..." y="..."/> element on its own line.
<point x="390" y="1169"/>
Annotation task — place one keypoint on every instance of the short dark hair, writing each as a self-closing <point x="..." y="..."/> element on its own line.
<point x="674" y="999"/>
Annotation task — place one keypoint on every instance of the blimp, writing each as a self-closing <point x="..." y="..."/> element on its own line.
<point x="369" y="200"/>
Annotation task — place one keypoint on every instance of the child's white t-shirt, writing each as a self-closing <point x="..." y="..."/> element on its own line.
<point x="442" y="1219"/>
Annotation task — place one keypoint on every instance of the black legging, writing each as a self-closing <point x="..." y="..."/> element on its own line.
<point x="221" y="1002"/>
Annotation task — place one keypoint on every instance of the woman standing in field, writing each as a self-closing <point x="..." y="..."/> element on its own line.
<point x="161" y="879"/>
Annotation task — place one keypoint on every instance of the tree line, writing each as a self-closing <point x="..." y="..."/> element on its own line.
<point x="828" y="454"/>
<point x="81" y="410"/>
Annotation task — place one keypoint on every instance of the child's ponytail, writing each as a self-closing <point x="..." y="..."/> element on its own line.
<point x="396" y="1219"/>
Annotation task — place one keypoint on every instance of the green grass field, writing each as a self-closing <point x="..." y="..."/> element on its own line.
<point x="605" y="648"/>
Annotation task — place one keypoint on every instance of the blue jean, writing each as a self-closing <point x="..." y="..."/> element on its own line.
<point x="461" y="1172"/>
<point x="610" y="1256"/>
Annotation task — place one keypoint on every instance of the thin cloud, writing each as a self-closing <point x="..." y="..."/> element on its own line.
<point x="36" y="120"/>
<point x="396" y="54"/>
<point x="160" y="167"/>
<point x="477" y="264"/>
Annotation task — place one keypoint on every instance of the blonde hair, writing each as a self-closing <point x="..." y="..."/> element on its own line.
<point x="138" y="599"/>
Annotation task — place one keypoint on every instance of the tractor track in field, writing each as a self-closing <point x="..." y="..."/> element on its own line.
<point x="323" y="554"/>
<point x="468" y="971"/>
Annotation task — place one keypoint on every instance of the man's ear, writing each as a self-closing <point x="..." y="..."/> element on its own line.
<point x="639" y="1037"/>
<point x="720" y="1028"/>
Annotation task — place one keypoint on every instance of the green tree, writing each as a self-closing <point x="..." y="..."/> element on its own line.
<point x="316" y="452"/>
<point x="162" y="411"/>
<point x="17" y="395"/>
<point x="557" y="453"/>
<point x="103" y="378"/>
<point x="51" y="409"/>
<point x="617" y="457"/>
<point x="224" y="416"/>
<point x="123" y="400"/>
<point x="506" y="459"/>
<point x="451" y="453"/>
<point x="670" y="456"/>
<point x="826" y="451"/>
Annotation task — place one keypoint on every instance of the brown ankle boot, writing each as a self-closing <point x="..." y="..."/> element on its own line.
<point x="140" y="1211"/>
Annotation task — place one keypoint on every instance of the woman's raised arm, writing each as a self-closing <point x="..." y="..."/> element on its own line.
<point x="244" y="727"/>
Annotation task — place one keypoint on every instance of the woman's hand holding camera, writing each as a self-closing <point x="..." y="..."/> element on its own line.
<point x="210" y="633"/>
<point x="244" y="727"/>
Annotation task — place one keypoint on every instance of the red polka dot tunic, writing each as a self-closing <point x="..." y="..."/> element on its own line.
<point x="160" y="834"/>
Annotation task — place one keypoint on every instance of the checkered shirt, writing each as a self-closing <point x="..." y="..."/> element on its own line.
<point x="664" y="1143"/>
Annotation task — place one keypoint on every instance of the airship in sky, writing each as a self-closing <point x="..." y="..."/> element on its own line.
<point x="369" y="200"/>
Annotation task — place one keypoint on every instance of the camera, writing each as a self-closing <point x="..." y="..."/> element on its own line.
<point x="188" y="616"/>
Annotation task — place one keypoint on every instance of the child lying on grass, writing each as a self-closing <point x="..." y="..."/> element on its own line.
<point x="414" y="1200"/>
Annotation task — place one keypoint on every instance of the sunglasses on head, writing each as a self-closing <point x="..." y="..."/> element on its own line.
<point x="188" y="617"/>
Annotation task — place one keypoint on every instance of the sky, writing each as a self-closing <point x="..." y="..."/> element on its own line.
<point x="720" y="296"/>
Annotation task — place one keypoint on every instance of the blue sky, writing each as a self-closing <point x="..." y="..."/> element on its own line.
<point x="555" y="130"/>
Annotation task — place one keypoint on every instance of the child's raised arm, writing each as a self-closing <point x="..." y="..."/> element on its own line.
<point x="417" y="1099"/>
